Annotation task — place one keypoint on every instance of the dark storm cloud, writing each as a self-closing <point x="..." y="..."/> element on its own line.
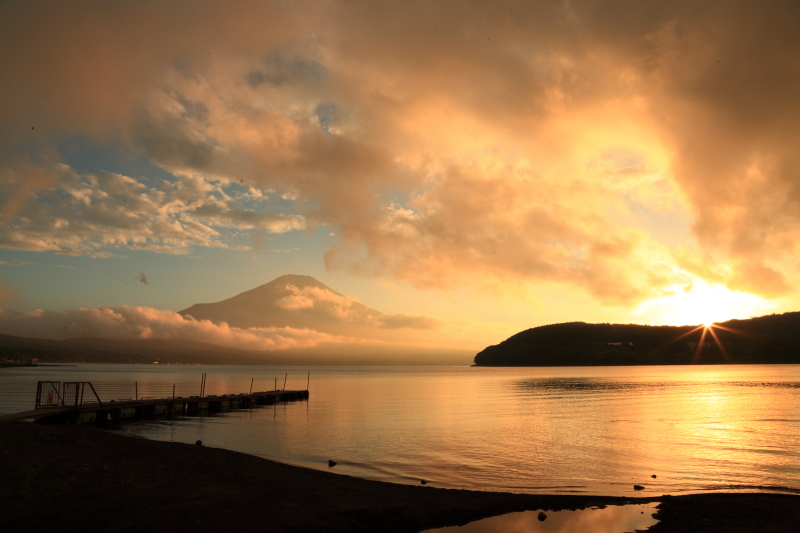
<point x="280" y="71"/>
<point x="168" y="142"/>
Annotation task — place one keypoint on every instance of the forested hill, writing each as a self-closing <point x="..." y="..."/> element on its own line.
<point x="765" y="339"/>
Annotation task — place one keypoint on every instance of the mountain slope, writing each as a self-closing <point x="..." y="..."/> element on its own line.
<point x="303" y="302"/>
<point x="289" y="301"/>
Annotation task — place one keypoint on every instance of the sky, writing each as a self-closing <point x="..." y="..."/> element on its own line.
<point x="492" y="165"/>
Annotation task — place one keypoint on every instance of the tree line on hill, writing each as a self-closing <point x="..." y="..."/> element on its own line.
<point x="767" y="339"/>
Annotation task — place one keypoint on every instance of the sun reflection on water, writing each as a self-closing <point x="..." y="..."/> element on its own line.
<point x="596" y="430"/>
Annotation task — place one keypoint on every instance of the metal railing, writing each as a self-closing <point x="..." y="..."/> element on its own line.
<point x="63" y="394"/>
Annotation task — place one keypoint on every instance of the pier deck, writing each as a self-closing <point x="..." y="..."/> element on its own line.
<point x="116" y="409"/>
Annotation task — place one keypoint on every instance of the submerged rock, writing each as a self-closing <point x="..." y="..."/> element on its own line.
<point x="638" y="487"/>
<point x="331" y="463"/>
<point x="423" y="481"/>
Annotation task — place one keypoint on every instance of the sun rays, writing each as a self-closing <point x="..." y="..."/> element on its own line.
<point x="709" y="331"/>
<point x="709" y="338"/>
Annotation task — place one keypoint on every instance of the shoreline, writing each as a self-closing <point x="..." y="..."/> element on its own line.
<point x="32" y="365"/>
<point x="85" y="478"/>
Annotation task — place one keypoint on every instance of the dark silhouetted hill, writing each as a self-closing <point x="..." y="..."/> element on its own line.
<point x="765" y="339"/>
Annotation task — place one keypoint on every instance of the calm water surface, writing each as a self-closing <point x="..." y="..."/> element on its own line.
<point x="537" y="430"/>
<point x="610" y="519"/>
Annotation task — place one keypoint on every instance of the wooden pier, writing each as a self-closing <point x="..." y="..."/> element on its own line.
<point x="64" y="403"/>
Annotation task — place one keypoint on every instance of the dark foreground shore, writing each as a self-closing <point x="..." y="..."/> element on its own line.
<point x="81" y="478"/>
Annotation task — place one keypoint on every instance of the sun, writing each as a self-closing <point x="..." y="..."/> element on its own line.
<point x="704" y="304"/>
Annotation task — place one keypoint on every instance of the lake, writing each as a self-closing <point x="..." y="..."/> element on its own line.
<point x="591" y="430"/>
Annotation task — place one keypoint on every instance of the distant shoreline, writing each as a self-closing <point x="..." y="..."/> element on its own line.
<point x="334" y="365"/>
<point x="28" y="365"/>
<point x="138" y="484"/>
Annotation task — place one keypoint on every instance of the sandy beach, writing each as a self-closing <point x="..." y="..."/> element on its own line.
<point x="81" y="478"/>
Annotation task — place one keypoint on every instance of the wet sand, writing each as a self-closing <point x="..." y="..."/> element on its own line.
<point x="81" y="478"/>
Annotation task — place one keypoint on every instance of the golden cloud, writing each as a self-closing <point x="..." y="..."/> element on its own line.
<point x="448" y="142"/>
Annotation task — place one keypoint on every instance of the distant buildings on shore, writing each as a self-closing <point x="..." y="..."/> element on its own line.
<point x="694" y="345"/>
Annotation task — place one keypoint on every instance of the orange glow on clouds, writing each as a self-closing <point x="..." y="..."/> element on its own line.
<point x="447" y="147"/>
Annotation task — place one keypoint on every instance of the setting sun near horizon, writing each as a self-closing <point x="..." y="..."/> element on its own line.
<point x="704" y="304"/>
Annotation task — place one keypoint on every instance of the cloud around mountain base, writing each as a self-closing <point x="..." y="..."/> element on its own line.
<point x="124" y="322"/>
